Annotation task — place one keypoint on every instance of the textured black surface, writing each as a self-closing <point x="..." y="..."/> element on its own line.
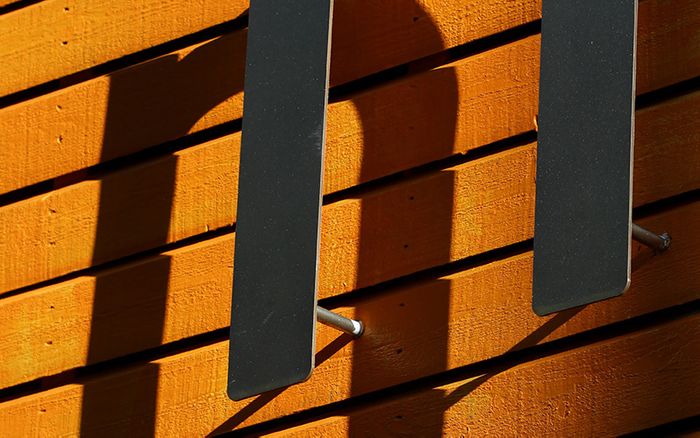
<point x="273" y="314"/>
<point x="584" y="158"/>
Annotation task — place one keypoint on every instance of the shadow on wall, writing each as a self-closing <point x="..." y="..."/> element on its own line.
<point x="160" y="99"/>
<point x="173" y="94"/>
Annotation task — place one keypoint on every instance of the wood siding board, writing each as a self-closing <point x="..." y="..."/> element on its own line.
<point x="200" y="86"/>
<point x="639" y="380"/>
<point x="489" y="313"/>
<point x="52" y="38"/>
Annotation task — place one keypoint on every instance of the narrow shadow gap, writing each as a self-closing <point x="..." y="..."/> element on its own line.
<point x="16" y="5"/>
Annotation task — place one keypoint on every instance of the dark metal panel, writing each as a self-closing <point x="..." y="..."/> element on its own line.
<point x="584" y="158"/>
<point x="273" y="315"/>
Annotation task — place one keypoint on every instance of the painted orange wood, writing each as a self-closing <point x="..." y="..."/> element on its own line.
<point x="664" y="141"/>
<point x="199" y="87"/>
<point x="416" y="222"/>
<point x="610" y="388"/>
<point x="74" y="128"/>
<point x="464" y="318"/>
<point x="671" y="52"/>
<point x="55" y="38"/>
<point x="194" y="190"/>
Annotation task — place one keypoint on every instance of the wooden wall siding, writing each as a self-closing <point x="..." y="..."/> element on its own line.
<point x="198" y="87"/>
<point x="455" y="232"/>
<point x="60" y="312"/>
<point x="54" y="233"/>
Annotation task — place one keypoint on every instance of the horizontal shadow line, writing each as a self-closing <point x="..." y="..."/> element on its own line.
<point x="80" y="375"/>
<point x="673" y="429"/>
<point x="422" y="170"/>
<point x="121" y="261"/>
<point x="100" y="170"/>
<point x="666" y="204"/>
<point x="430" y="274"/>
<point x="17" y="5"/>
<point x="668" y="92"/>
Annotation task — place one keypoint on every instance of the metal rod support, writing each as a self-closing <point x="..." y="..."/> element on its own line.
<point x="657" y="242"/>
<point x="346" y="325"/>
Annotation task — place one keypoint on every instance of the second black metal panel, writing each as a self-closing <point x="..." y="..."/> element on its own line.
<point x="585" y="143"/>
<point x="277" y="233"/>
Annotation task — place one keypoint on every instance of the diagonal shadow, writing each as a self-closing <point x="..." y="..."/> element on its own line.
<point x="263" y="399"/>
<point x="149" y="103"/>
<point x="441" y="402"/>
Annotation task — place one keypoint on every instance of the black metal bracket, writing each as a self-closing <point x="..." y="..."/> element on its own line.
<point x="583" y="227"/>
<point x="274" y="308"/>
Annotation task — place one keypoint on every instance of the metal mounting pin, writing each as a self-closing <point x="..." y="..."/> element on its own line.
<point x="657" y="242"/>
<point x="346" y="325"/>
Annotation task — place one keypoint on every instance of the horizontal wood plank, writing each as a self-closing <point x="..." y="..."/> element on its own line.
<point x="54" y="38"/>
<point x="465" y="317"/>
<point x="616" y="387"/>
<point x="200" y="87"/>
<point x="4" y="3"/>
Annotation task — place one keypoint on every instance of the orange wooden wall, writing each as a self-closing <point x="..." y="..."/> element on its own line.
<point x="119" y="136"/>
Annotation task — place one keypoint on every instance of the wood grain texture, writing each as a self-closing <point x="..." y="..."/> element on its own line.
<point x="465" y="317"/>
<point x="615" y="387"/>
<point x="668" y="51"/>
<point x="200" y="87"/>
<point x="455" y="213"/>
<point x="54" y="38"/>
